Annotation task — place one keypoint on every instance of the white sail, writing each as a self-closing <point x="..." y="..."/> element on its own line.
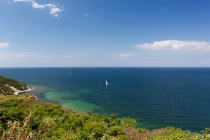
<point x="106" y="82"/>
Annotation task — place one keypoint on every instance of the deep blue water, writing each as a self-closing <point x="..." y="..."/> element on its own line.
<point x="155" y="97"/>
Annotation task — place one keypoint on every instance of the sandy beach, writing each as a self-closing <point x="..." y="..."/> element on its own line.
<point x="16" y="91"/>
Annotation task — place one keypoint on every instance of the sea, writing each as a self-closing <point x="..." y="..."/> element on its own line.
<point x="154" y="97"/>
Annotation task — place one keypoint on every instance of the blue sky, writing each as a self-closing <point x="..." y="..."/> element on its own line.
<point x="105" y="33"/>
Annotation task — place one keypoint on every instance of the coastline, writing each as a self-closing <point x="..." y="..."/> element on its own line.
<point x="16" y="91"/>
<point x="127" y="126"/>
<point x="178" y="96"/>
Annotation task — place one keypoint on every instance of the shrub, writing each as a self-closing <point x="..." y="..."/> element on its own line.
<point x="11" y="103"/>
<point x="129" y="122"/>
<point x="142" y="130"/>
<point x="115" y="130"/>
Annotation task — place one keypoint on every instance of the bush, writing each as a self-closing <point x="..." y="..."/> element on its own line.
<point x="122" y="137"/>
<point x="129" y="122"/>
<point x="115" y="130"/>
<point x="49" y="121"/>
<point x="142" y="130"/>
<point x="97" y="128"/>
<point x="11" y="103"/>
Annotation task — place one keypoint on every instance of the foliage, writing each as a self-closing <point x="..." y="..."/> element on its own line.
<point x="178" y="134"/>
<point x="11" y="103"/>
<point x="5" y="84"/>
<point x="43" y="120"/>
<point x="206" y="133"/>
<point x="115" y="130"/>
<point x="129" y="122"/>
<point x="142" y="130"/>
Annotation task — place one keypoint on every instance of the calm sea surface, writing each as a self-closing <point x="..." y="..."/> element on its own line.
<point x="155" y="97"/>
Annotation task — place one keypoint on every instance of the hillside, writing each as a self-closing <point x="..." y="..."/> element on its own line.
<point x="10" y="86"/>
<point x="25" y="117"/>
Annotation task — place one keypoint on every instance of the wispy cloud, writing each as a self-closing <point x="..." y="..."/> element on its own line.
<point x="22" y="0"/>
<point x="89" y="15"/>
<point x="70" y="56"/>
<point x="26" y="54"/>
<point x="5" y="55"/>
<point x="126" y="55"/>
<point x="8" y="55"/>
<point x="123" y="55"/>
<point x="53" y="7"/>
<point x="4" y="45"/>
<point x="175" y="45"/>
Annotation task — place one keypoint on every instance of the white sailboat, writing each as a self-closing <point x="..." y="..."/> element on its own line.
<point x="106" y="82"/>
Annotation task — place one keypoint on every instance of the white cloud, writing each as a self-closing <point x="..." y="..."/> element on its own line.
<point x="4" y="45"/>
<point x="22" y="0"/>
<point x="54" y="9"/>
<point x="9" y="55"/>
<point x="125" y="55"/>
<point x="27" y="54"/>
<point x="70" y="56"/>
<point x="36" y="5"/>
<point x="49" y="56"/>
<point x="175" y="45"/>
<point x="19" y="55"/>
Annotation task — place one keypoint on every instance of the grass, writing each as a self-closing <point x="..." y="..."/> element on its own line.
<point x="4" y="98"/>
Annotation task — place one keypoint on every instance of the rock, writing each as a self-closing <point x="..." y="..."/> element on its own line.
<point x="35" y="98"/>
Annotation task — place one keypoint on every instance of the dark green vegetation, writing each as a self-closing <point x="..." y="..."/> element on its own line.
<point x="5" y="84"/>
<point x="24" y="117"/>
<point x="27" y="118"/>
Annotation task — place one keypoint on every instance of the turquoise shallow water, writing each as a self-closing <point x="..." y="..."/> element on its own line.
<point x="155" y="97"/>
<point x="71" y="100"/>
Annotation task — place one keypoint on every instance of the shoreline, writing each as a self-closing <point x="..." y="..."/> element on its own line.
<point x="16" y="92"/>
